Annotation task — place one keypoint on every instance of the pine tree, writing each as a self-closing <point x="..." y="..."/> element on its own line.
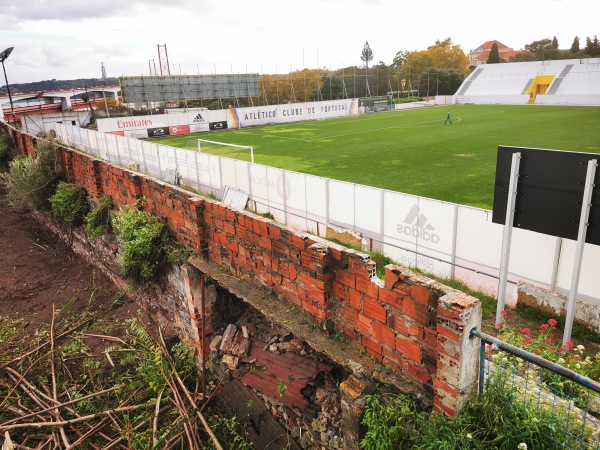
<point x="555" y="42"/>
<point x="494" y="56"/>
<point x="366" y="56"/>
<point x="575" y="45"/>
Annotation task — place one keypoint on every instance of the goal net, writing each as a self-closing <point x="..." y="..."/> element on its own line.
<point x="235" y="151"/>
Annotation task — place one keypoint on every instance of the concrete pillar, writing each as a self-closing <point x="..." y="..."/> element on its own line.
<point x="457" y="377"/>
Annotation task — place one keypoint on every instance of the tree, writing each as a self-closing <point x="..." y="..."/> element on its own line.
<point x="398" y="60"/>
<point x="442" y="55"/>
<point x="366" y="56"/>
<point x="555" y="43"/>
<point x="592" y="46"/>
<point x="543" y="49"/>
<point x="575" y="45"/>
<point x="494" y="56"/>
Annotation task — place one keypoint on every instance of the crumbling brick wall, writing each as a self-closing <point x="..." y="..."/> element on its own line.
<point x="416" y="326"/>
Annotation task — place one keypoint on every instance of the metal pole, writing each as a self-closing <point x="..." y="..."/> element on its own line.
<point x="581" y="234"/>
<point x="507" y="234"/>
<point x="203" y="334"/>
<point x="12" y="107"/>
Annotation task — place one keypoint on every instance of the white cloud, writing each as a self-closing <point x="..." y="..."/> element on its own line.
<point x="69" y="39"/>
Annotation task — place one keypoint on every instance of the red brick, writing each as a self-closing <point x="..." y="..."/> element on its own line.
<point x="415" y="311"/>
<point x="364" y="324"/>
<point x="420" y="294"/>
<point x="419" y="373"/>
<point x="397" y="322"/>
<point x="298" y="242"/>
<point x="340" y="291"/>
<point x="345" y="278"/>
<point x="317" y="295"/>
<point x="230" y="215"/>
<point x="335" y="254"/>
<point x="390" y="297"/>
<point x="373" y="309"/>
<point x="384" y="334"/>
<point x="315" y="312"/>
<point x="233" y="246"/>
<point x="367" y="286"/>
<point x="354" y="298"/>
<point x="448" y="390"/>
<point x="229" y="228"/>
<point x="393" y="276"/>
<point x="265" y="242"/>
<point x="416" y="330"/>
<point x="348" y="316"/>
<point x="373" y="347"/>
<point x="430" y="336"/>
<point x="439" y="407"/>
<point x="447" y="333"/>
<point x="409" y="348"/>
<point x="274" y="231"/>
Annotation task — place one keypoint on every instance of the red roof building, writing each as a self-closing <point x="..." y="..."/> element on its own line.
<point x="481" y="54"/>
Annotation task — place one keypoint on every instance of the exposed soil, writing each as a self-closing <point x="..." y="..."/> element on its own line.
<point x="39" y="270"/>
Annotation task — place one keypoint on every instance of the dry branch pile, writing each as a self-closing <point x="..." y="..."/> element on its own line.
<point x="76" y="384"/>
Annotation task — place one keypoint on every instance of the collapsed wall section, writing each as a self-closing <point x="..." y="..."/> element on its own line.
<point x="416" y="326"/>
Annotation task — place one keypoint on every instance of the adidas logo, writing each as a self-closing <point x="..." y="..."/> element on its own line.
<point x="416" y="225"/>
<point x="198" y="118"/>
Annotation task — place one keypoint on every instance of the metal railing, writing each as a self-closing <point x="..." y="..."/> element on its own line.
<point x="564" y="400"/>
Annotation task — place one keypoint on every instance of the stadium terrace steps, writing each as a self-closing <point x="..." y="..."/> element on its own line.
<point x="493" y="83"/>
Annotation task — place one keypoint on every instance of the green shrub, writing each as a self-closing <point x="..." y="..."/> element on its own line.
<point x="146" y="247"/>
<point x="7" y="149"/>
<point x="99" y="220"/>
<point x="31" y="181"/>
<point x="386" y="418"/>
<point x="69" y="204"/>
<point x="410" y="99"/>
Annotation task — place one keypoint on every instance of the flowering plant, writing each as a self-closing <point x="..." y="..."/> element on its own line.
<point x="544" y="343"/>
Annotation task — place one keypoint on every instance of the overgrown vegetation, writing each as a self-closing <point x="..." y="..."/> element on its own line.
<point x="31" y="181"/>
<point x="69" y="204"/>
<point x="7" y="149"/>
<point x="496" y="419"/>
<point x="146" y="247"/>
<point x="75" y="385"/>
<point x="98" y="221"/>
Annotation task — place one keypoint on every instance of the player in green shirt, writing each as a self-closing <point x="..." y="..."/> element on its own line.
<point x="448" y="118"/>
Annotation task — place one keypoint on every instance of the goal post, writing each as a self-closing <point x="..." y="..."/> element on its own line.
<point x="220" y="148"/>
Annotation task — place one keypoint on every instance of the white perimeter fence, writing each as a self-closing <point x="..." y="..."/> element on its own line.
<point x="443" y="238"/>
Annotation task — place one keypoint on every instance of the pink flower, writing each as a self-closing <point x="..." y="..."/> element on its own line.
<point x="525" y="331"/>
<point x="544" y="327"/>
<point x="576" y="358"/>
<point x="503" y="313"/>
<point x="552" y="323"/>
<point x="569" y="345"/>
<point x="547" y="340"/>
<point x="499" y="326"/>
<point x="528" y="341"/>
<point x="537" y="351"/>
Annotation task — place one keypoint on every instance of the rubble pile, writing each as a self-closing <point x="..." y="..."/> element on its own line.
<point x="298" y="387"/>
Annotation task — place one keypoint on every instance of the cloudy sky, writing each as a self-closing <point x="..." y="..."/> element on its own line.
<point x="69" y="39"/>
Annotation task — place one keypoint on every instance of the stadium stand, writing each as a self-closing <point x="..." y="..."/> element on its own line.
<point x="567" y="81"/>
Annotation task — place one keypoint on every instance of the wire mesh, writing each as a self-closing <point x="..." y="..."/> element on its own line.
<point x="568" y="413"/>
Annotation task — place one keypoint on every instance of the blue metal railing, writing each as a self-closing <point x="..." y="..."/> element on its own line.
<point x="574" y="410"/>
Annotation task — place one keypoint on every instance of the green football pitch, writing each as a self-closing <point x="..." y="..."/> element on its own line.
<point x="414" y="151"/>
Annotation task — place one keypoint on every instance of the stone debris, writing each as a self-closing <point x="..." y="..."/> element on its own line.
<point x="297" y="385"/>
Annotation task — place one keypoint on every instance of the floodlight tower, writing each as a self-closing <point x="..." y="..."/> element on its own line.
<point x="163" y="59"/>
